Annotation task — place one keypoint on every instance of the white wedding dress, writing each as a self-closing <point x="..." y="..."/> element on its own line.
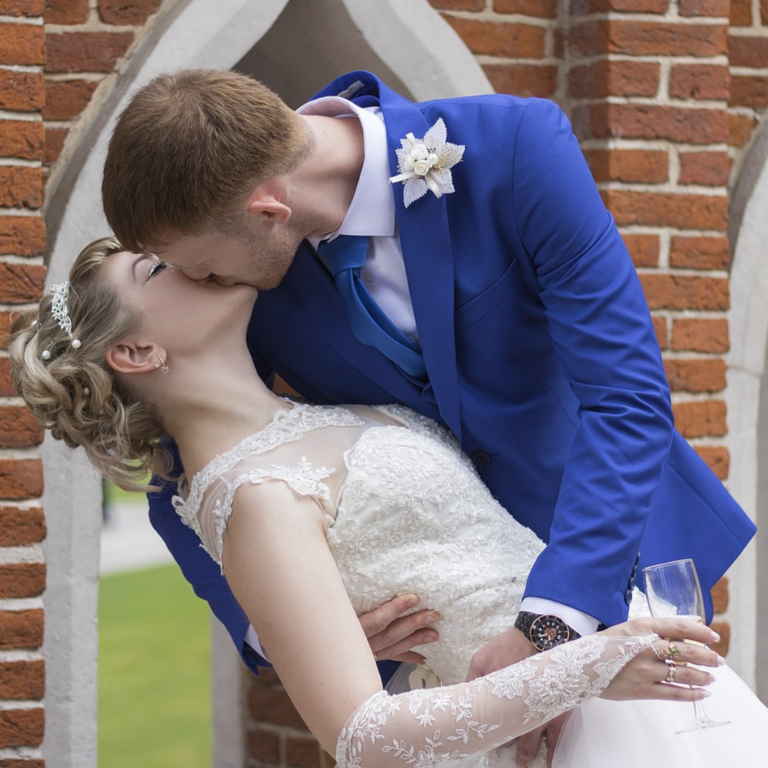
<point x="406" y="512"/>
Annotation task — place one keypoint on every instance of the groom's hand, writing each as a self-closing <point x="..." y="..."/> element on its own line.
<point x="392" y="635"/>
<point x="506" y="649"/>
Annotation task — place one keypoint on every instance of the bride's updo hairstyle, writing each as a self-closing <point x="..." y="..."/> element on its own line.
<point x="58" y="365"/>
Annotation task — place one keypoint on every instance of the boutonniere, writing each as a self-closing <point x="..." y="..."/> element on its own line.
<point x="425" y="164"/>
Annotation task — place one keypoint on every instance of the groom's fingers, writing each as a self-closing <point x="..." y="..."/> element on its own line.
<point x="528" y="746"/>
<point x="392" y="636"/>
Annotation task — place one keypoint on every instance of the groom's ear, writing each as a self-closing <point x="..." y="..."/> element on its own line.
<point x="134" y="357"/>
<point x="266" y="201"/>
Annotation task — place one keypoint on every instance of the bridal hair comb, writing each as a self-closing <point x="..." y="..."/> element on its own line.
<point x="59" y="296"/>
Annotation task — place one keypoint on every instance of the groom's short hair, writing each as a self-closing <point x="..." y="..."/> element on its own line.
<point x="188" y="148"/>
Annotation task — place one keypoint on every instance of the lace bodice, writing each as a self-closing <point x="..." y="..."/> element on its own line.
<point x="405" y="511"/>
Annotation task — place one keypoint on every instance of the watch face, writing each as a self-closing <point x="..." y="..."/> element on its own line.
<point x="548" y="631"/>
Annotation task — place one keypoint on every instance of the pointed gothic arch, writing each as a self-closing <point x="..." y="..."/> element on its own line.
<point x="295" y="46"/>
<point x="747" y="401"/>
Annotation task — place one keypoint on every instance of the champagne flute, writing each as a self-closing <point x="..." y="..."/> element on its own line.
<point x="673" y="589"/>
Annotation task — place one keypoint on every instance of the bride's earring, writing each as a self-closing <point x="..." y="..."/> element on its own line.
<point x="162" y="366"/>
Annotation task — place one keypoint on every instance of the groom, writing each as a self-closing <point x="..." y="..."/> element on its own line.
<point x="500" y="302"/>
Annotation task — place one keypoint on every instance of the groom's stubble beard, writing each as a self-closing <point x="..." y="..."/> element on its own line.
<point x="267" y="261"/>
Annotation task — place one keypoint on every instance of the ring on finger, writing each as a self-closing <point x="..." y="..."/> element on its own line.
<point x="670" y="653"/>
<point x="673" y="651"/>
<point x="671" y="668"/>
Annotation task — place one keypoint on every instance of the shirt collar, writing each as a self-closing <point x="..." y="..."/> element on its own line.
<point x="372" y="210"/>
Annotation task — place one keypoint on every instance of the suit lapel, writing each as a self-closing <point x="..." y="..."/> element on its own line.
<point x="426" y="243"/>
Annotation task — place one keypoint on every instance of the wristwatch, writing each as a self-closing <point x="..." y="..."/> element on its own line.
<point x="545" y="631"/>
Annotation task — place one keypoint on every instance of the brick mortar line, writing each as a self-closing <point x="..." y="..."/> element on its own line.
<point x="8" y="705"/>
<point x="22" y="555"/>
<point x="18" y="454"/>
<point x="21" y="753"/>
<point x="17" y="162"/>
<point x="21" y="213"/>
<point x="719" y="58"/>
<point x="65" y="124"/>
<point x="16" y="308"/>
<point x="713" y="274"/>
<point x="27" y="117"/>
<point x="647" y="229"/>
<point x="486" y="58"/>
<point x="672" y="16"/>
<point x="19" y="604"/>
<point x="699" y="397"/>
<point x="29" y="21"/>
<point x="62" y="29"/>
<point x="23" y="504"/>
<point x="664" y="187"/>
<point x="61" y="77"/>
<point x="11" y="401"/>
<point x="21" y="655"/>
<point x="719" y="105"/>
<point x="657" y="18"/>
<point x="691" y="314"/>
<point x="31" y="68"/>
<point x="748" y="32"/>
<point x="680" y="354"/>
<point x="707" y="441"/>
<point x="500" y="18"/>
<point x="619" y="142"/>
<point x="749" y="71"/>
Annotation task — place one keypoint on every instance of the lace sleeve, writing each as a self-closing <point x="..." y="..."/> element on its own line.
<point x="438" y="726"/>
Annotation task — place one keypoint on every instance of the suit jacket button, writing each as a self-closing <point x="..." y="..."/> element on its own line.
<point x="481" y="459"/>
<point x="628" y="596"/>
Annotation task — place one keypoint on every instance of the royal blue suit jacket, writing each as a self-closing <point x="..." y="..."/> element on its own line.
<point x="541" y="357"/>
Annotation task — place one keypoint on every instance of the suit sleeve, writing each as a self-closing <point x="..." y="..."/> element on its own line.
<point x="200" y="570"/>
<point x="604" y="341"/>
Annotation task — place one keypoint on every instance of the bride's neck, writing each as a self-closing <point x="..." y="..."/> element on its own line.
<point x="211" y="408"/>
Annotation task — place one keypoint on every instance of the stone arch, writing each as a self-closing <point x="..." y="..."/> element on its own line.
<point x="416" y="50"/>
<point x="747" y="401"/>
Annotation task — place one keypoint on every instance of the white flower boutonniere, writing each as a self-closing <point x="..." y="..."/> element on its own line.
<point x="425" y="164"/>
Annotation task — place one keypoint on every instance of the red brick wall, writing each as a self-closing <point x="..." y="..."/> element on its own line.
<point x="661" y="116"/>
<point x="748" y="58"/>
<point x="85" y="46"/>
<point x="517" y="42"/>
<point x="22" y="526"/>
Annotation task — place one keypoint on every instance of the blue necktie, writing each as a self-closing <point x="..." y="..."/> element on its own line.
<point x="344" y="257"/>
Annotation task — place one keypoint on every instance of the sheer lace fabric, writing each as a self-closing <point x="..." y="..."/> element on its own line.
<point x="457" y="725"/>
<point x="405" y="512"/>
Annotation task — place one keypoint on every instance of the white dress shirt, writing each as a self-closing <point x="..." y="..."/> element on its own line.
<point x="372" y="214"/>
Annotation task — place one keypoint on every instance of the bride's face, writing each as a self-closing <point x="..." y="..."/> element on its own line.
<point x="176" y="311"/>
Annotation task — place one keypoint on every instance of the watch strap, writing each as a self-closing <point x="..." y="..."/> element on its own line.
<point x="525" y="620"/>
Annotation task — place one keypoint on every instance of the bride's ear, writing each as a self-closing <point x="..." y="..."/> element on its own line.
<point x="133" y="357"/>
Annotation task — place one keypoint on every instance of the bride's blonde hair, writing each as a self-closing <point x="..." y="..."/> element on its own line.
<point x="71" y="389"/>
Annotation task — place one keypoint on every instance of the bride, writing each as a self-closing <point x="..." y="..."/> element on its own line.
<point x="318" y="514"/>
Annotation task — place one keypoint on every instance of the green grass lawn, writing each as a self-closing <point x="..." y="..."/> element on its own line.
<point x="154" y="672"/>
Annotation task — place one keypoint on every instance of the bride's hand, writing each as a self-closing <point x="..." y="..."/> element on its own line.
<point x="648" y="675"/>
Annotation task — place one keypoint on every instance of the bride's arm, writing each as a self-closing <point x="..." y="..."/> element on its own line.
<point x="278" y="564"/>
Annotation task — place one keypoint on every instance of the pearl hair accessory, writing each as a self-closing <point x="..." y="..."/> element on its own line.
<point x="59" y="296"/>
